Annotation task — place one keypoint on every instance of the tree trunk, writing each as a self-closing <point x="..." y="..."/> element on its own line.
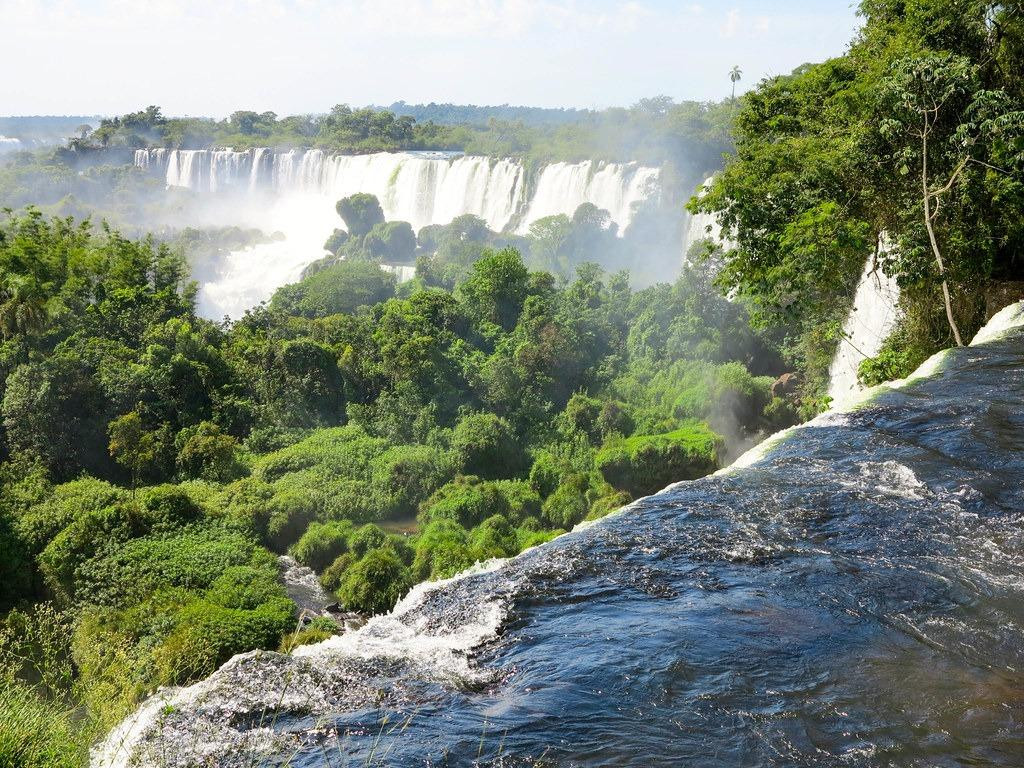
<point x="934" y="242"/>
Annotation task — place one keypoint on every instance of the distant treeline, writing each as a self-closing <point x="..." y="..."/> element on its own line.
<point x="690" y="136"/>
<point x="470" y="114"/>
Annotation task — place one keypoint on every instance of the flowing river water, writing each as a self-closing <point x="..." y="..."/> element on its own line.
<point x="850" y="593"/>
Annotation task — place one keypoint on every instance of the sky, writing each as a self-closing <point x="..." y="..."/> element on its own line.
<point x="211" y="57"/>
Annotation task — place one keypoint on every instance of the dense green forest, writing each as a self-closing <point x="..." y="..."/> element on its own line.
<point x="910" y="146"/>
<point x="154" y="462"/>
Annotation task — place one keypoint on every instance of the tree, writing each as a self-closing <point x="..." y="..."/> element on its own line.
<point x="360" y="212"/>
<point x="735" y="75"/>
<point x="496" y="288"/>
<point x="132" y="446"/>
<point x="22" y="307"/>
<point x="206" y="452"/>
<point x="938" y="104"/>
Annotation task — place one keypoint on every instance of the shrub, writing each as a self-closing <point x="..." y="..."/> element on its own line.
<point x="206" y="452"/>
<point x="168" y="507"/>
<point x="334" y="574"/>
<point x="567" y="506"/>
<point x="521" y="501"/>
<point x="441" y="551"/>
<point x="608" y="503"/>
<point x="466" y="501"/>
<point x="339" y="288"/>
<point x="485" y="445"/>
<point x="206" y="635"/>
<point x="244" y="587"/>
<point x="645" y="464"/>
<point x="40" y="523"/>
<point x="376" y="582"/>
<point x="494" y="537"/>
<point x="192" y="559"/>
<point x="367" y="537"/>
<point x="322" y="543"/>
<point x="291" y="512"/>
<point x="407" y="475"/>
<point x="84" y="538"/>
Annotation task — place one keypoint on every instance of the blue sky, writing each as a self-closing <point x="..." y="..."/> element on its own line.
<point x="214" y="56"/>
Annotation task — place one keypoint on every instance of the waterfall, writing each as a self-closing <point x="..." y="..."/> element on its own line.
<point x="419" y="187"/>
<point x="402" y="272"/>
<point x="615" y="187"/>
<point x="704" y="226"/>
<point x="872" y="318"/>
<point x="294" y="192"/>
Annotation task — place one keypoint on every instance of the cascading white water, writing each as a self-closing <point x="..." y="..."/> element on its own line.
<point x="872" y="318"/>
<point x="704" y="226"/>
<point x="294" y="192"/>
<point x="419" y="187"/>
<point x="615" y="187"/>
<point x="402" y="272"/>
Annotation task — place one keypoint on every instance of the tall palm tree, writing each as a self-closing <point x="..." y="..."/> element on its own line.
<point x="735" y="74"/>
<point x="22" y="308"/>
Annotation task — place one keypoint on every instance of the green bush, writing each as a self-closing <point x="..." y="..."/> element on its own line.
<point x="85" y="537"/>
<point x="244" y="587"/>
<point x="291" y="512"/>
<point x="192" y="559"/>
<point x="41" y="523"/>
<point x="204" y="451"/>
<point x="645" y="464"/>
<point x="608" y="503"/>
<point x="334" y="574"/>
<point x="367" y="537"/>
<point x="168" y="507"/>
<point x="206" y="635"/>
<point x="339" y="288"/>
<point x="375" y="583"/>
<point x="466" y="501"/>
<point x="441" y="551"/>
<point x="322" y="543"/>
<point x="568" y="505"/>
<point x="407" y="475"/>
<point x="521" y="500"/>
<point x="494" y="537"/>
<point x="485" y="445"/>
<point x="15" y="564"/>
